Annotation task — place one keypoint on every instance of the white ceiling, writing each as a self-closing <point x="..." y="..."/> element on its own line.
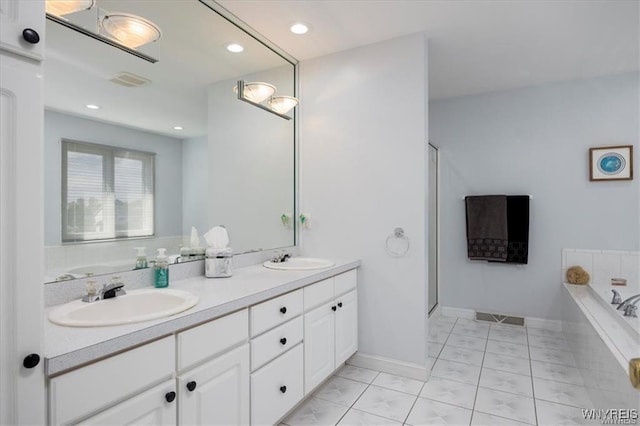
<point x="475" y="46"/>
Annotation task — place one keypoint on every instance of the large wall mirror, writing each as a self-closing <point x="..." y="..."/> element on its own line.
<point x="169" y="148"/>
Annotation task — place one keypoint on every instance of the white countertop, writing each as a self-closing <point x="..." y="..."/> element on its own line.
<point x="70" y="347"/>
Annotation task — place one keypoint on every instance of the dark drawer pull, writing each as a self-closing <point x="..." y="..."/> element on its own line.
<point x="283" y="341"/>
<point x="192" y="386"/>
<point x="339" y="304"/>
<point x="170" y="396"/>
<point x="333" y="308"/>
<point x="283" y="389"/>
<point x="283" y="310"/>
<point x="31" y="360"/>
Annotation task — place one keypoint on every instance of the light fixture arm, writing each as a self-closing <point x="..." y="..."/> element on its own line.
<point x="242" y="98"/>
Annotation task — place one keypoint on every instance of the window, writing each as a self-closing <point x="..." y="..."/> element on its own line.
<point x="107" y="192"/>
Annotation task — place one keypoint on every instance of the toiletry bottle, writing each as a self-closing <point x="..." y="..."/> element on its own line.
<point x="141" y="259"/>
<point x="161" y="270"/>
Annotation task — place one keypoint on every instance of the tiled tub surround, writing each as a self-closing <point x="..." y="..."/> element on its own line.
<point x="602" y="344"/>
<point x="69" y="347"/>
<point x="602" y="265"/>
<point x="482" y="375"/>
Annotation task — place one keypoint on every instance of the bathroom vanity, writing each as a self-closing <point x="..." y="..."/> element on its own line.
<point x="251" y="349"/>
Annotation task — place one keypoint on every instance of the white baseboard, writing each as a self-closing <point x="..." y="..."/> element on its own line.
<point x="391" y="366"/>
<point x="532" y="322"/>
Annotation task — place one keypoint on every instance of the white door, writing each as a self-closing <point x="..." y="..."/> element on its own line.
<point x="319" y="345"/>
<point x="16" y="17"/>
<point x="22" y="395"/>
<point x="346" y="326"/>
<point x="157" y="406"/>
<point x="216" y="393"/>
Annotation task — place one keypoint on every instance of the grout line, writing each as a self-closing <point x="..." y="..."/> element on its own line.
<point x="533" y="390"/>
<point x="475" y="398"/>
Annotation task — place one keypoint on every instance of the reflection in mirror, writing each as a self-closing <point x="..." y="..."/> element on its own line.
<point x="216" y="160"/>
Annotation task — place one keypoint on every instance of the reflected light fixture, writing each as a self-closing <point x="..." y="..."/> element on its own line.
<point x="299" y="28"/>
<point x="282" y="104"/>
<point x="130" y="30"/>
<point x="235" y="48"/>
<point x="92" y="106"/>
<point x="178" y="127"/>
<point x="65" y="7"/>
<point x="257" y="92"/>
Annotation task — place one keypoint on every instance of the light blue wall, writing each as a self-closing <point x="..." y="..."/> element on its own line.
<point x="195" y="166"/>
<point x="534" y="141"/>
<point x="168" y="182"/>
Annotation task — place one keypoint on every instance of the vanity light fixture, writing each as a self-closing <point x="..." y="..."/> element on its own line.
<point x="65" y="7"/>
<point x="235" y="48"/>
<point x="92" y="106"/>
<point x="299" y="28"/>
<point x="256" y="93"/>
<point x="130" y="30"/>
<point x="178" y="128"/>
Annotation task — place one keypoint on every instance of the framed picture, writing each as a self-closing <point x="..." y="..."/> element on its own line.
<point x="611" y="163"/>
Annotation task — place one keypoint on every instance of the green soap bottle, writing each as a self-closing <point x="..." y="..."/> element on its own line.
<point x="161" y="270"/>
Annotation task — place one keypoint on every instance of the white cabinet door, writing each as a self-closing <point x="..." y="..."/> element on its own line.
<point x="157" y="406"/>
<point x="22" y="393"/>
<point x="17" y="16"/>
<point x="319" y="345"/>
<point x="217" y="392"/>
<point x="346" y="326"/>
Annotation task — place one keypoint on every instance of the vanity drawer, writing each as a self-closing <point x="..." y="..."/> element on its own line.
<point x="277" y="387"/>
<point x="207" y="340"/>
<point x="273" y="312"/>
<point x="345" y="282"/>
<point x="318" y="293"/>
<point x="88" y="389"/>
<point x="275" y="342"/>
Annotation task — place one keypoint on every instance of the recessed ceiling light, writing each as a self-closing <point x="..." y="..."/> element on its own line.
<point x="178" y="127"/>
<point x="235" y="48"/>
<point x="299" y="28"/>
<point x="92" y="106"/>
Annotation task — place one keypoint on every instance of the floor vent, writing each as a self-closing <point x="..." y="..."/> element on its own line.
<point x="128" y="79"/>
<point x="500" y="319"/>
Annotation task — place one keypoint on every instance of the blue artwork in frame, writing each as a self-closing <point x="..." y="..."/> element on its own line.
<point x="611" y="163"/>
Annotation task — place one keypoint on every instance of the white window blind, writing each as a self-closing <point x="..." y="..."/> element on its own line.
<point x="107" y="192"/>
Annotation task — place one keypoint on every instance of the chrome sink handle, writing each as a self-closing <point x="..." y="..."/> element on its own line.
<point x="112" y="290"/>
<point x="628" y="301"/>
<point x="631" y="310"/>
<point x="616" y="298"/>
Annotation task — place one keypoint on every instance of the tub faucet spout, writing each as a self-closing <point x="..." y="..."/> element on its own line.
<point x="628" y="303"/>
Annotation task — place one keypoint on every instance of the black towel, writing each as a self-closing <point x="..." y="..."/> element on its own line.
<point x="518" y="229"/>
<point x="487" y="234"/>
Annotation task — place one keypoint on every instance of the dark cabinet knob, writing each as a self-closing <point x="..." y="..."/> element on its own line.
<point x="192" y="386"/>
<point x="31" y="360"/>
<point x="283" y="310"/>
<point x="283" y="389"/>
<point x="283" y="340"/>
<point x="170" y="396"/>
<point x="333" y="308"/>
<point x="339" y="304"/>
<point x="30" y="36"/>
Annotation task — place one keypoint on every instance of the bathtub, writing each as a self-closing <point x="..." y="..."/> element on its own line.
<point x="602" y="342"/>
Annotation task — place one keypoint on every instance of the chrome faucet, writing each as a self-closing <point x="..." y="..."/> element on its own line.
<point x="108" y="291"/>
<point x="629" y="306"/>
<point x="280" y="257"/>
<point x="616" y="298"/>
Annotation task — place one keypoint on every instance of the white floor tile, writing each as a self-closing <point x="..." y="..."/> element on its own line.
<point x="552" y="356"/>
<point x="543" y="332"/>
<point x="550" y="414"/>
<point x="363" y="375"/>
<point x="506" y="382"/>
<point x="473" y="330"/>
<point x="508" y="349"/>
<point x="508" y="334"/>
<point x="557" y="343"/>
<point x="400" y="384"/>
<point x="340" y="390"/>
<point x="562" y="393"/>
<point x="482" y="419"/>
<point x="434" y="349"/>
<point x="467" y="356"/>
<point x="450" y="392"/>
<point x="465" y="373"/>
<point x="507" y="405"/>
<point x="438" y="336"/>
<point x="557" y="372"/>
<point x="507" y="363"/>
<point x="316" y="411"/>
<point x="468" y="342"/>
<point x="442" y="327"/>
<point x="360" y="418"/>
<point x="428" y="412"/>
<point x="385" y="403"/>
<point x="430" y="362"/>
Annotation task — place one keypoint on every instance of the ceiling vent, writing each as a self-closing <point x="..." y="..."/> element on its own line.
<point x="127" y="79"/>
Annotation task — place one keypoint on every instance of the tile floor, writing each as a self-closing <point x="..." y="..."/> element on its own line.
<point x="482" y="375"/>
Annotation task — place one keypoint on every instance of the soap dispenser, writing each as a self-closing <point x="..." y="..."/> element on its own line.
<point x="141" y="258"/>
<point x="161" y="270"/>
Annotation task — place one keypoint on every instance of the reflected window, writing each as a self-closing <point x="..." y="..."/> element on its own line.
<point x="107" y="192"/>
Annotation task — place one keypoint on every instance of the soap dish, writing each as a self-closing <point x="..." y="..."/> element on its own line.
<point x="618" y="281"/>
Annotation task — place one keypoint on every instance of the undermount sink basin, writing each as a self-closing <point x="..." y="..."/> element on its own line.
<point x="299" y="264"/>
<point x="135" y="306"/>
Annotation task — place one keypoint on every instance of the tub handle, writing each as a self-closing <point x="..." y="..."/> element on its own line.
<point x="634" y="372"/>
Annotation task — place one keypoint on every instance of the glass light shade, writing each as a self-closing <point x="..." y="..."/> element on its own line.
<point x="65" y="7"/>
<point x="130" y="30"/>
<point x="257" y="92"/>
<point x="282" y="104"/>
